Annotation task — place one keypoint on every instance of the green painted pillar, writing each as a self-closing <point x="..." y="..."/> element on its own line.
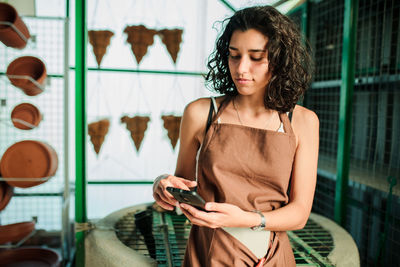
<point x="80" y="126"/>
<point x="345" y="113"/>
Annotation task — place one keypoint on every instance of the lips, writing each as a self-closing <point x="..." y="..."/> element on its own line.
<point x="242" y="81"/>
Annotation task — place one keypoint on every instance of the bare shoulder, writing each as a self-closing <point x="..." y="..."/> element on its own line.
<point x="302" y="115"/>
<point x="195" y="117"/>
<point x="305" y="123"/>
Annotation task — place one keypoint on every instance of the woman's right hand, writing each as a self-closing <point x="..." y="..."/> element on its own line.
<point x="162" y="196"/>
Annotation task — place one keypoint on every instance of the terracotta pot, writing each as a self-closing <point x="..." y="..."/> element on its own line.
<point x="27" y="66"/>
<point x="98" y="131"/>
<point x="172" y="125"/>
<point x="14" y="33"/>
<point x="28" y="159"/>
<point x="6" y="192"/>
<point x="28" y="113"/>
<point x="100" y="40"/>
<point x="137" y="126"/>
<point x="32" y="256"/>
<point x="140" y="39"/>
<point x="15" y="232"/>
<point x="172" y="40"/>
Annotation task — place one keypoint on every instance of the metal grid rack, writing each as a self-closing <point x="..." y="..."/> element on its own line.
<point x="48" y="202"/>
<point x="374" y="156"/>
<point x="163" y="237"/>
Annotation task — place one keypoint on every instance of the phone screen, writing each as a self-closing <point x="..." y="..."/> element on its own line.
<point x="188" y="197"/>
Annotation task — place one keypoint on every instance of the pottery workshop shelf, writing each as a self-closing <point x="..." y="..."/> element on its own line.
<point x="34" y="145"/>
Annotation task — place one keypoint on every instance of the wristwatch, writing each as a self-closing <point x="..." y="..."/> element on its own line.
<point x="261" y="226"/>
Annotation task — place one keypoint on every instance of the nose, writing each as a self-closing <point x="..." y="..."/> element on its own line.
<point x="243" y="65"/>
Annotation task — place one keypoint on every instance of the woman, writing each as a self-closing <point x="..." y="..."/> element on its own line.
<point x="257" y="161"/>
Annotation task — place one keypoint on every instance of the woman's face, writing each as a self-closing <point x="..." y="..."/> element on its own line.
<point x="248" y="61"/>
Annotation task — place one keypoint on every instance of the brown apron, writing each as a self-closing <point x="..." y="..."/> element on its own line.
<point x="250" y="168"/>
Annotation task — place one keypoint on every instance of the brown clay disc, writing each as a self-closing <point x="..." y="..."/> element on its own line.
<point x="27" y="113"/>
<point x="15" y="232"/>
<point x="28" y="159"/>
<point x="30" y="257"/>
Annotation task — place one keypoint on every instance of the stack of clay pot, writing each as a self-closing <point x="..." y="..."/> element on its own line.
<point x="172" y="40"/>
<point x="100" y="40"/>
<point x="172" y="124"/>
<point x="13" y="31"/>
<point x="137" y="126"/>
<point x="97" y="132"/>
<point x="140" y="39"/>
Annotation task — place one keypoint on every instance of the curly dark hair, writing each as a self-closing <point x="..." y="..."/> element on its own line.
<point x="289" y="58"/>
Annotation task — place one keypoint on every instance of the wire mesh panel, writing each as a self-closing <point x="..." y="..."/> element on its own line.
<point x="375" y="158"/>
<point x="46" y="202"/>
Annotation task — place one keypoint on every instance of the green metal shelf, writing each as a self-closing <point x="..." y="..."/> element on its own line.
<point x="167" y="72"/>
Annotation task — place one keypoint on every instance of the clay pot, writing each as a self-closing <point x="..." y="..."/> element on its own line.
<point x="98" y="131"/>
<point x="6" y="192"/>
<point x="32" y="256"/>
<point x="172" y="125"/>
<point x="28" y="159"/>
<point x="172" y="40"/>
<point x="15" y="232"/>
<point x="137" y="126"/>
<point x="27" y="113"/>
<point x="27" y="66"/>
<point x="140" y="39"/>
<point x="100" y="40"/>
<point x="13" y="31"/>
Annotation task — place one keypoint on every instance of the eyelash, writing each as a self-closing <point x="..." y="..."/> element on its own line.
<point x="238" y="57"/>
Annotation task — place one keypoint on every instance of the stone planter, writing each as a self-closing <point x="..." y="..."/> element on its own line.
<point x="140" y="39"/>
<point x="28" y="163"/>
<point x="100" y="40"/>
<point x="97" y="132"/>
<point x="13" y="31"/>
<point x="27" y="73"/>
<point x="137" y="126"/>
<point x="172" y="40"/>
<point x="26" y="116"/>
<point x="172" y="124"/>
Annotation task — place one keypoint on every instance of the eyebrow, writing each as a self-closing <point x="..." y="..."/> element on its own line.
<point x="250" y="50"/>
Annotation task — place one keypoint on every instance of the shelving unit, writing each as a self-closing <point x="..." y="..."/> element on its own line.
<point x="49" y="202"/>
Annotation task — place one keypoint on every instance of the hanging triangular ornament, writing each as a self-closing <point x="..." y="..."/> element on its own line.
<point x="137" y="126"/>
<point x="100" y="40"/>
<point x="172" y="40"/>
<point x="98" y="131"/>
<point x="172" y="124"/>
<point x="140" y="39"/>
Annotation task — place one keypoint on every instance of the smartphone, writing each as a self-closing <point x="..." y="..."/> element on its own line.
<point x="188" y="197"/>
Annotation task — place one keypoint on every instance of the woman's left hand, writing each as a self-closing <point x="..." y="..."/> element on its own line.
<point x="218" y="215"/>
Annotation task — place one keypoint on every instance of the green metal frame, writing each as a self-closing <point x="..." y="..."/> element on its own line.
<point x="80" y="126"/>
<point x="345" y="112"/>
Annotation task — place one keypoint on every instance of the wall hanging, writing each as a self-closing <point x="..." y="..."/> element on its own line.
<point x="97" y="132"/>
<point x="172" y="40"/>
<point x="140" y="39"/>
<point x="100" y="40"/>
<point x="13" y="31"/>
<point x="137" y="126"/>
<point x="172" y="124"/>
